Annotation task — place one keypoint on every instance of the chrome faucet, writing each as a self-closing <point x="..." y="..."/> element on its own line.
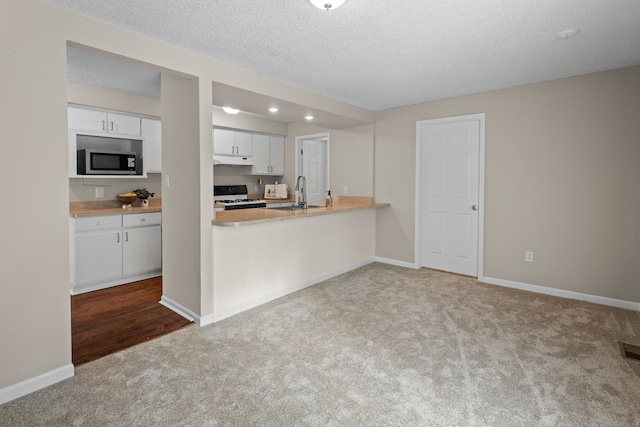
<point x="301" y="191"/>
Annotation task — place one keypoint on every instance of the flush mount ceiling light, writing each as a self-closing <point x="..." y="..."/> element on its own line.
<point x="274" y="109"/>
<point x="308" y="117"/>
<point x="567" y="33"/>
<point x="230" y="110"/>
<point x="327" y="4"/>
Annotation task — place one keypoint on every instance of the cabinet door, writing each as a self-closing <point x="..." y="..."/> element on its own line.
<point x="86" y="119"/>
<point x="244" y="144"/>
<point x="223" y="142"/>
<point x="260" y="155"/>
<point x="123" y="124"/>
<point x="152" y="134"/>
<point x="142" y="250"/>
<point x="98" y="256"/>
<point x="276" y="155"/>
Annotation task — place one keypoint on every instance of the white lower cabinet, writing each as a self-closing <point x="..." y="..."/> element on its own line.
<point x="98" y="256"/>
<point x="142" y="250"/>
<point x="115" y="249"/>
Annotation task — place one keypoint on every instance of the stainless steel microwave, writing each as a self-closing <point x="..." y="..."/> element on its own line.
<point x="106" y="162"/>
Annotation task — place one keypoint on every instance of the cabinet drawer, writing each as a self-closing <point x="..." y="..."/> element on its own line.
<point x="91" y="223"/>
<point x="142" y="220"/>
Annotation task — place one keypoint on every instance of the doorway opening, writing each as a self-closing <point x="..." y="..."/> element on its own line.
<point x="449" y="210"/>
<point x="313" y="153"/>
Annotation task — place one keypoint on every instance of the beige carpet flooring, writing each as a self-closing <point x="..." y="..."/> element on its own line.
<point x="379" y="346"/>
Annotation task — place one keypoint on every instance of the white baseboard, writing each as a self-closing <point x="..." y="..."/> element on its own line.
<point x="180" y="309"/>
<point x="396" y="262"/>
<point x="185" y="312"/>
<point x="25" y="387"/>
<point x="267" y="298"/>
<point x="628" y="305"/>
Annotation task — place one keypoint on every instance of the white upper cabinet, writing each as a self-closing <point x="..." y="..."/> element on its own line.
<point x="276" y="155"/>
<point x="244" y="144"/>
<point x="152" y="134"/>
<point x="223" y="142"/>
<point x="103" y="121"/>
<point x="227" y="142"/>
<point x="260" y="155"/>
<point x="268" y="155"/>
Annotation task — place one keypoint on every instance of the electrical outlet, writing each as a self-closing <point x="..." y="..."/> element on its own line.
<point x="99" y="192"/>
<point x="345" y="189"/>
<point x="528" y="256"/>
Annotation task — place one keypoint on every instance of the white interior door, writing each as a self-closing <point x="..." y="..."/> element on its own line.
<point x="314" y="167"/>
<point x="449" y="169"/>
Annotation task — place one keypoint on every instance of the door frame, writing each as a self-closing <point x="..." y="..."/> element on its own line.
<point x="299" y="139"/>
<point x="480" y="117"/>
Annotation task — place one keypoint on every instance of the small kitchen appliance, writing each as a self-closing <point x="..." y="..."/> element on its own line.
<point x="235" y="197"/>
<point x="106" y="162"/>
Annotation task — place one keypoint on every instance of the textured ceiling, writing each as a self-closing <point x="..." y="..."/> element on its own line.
<point x="378" y="54"/>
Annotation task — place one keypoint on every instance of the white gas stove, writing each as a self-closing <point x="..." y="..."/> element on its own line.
<point x="235" y="197"/>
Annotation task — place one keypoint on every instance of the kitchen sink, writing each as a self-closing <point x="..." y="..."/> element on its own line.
<point x="296" y="208"/>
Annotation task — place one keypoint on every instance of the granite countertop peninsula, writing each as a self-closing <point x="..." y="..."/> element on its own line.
<point x="111" y="207"/>
<point x="242" y="217"/>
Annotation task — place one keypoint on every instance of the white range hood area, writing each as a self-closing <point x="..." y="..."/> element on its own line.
<point x="233" y="161"/>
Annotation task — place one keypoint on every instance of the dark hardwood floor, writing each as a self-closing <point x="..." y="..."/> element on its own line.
<point x="112" y="319"/>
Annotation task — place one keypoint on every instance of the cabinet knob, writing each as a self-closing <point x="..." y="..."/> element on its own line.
<point x="144" y="219"/>
<point x="99" y="222"/>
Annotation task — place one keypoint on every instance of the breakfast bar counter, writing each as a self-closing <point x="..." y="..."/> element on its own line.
<point x="287" y="250"/>
<point x="243" y="217"/>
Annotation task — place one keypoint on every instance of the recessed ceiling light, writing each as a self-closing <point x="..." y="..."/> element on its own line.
<point x="567" y="33"/>
<point x="308" y="117"/>
<point x="274" y="109"/>
<point x="230" y="110"/>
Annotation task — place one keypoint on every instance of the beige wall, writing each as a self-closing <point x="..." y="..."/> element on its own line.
<point x="98" y="97"/>
<point x="562" y="175"/>
<point x="85" y="190"/>
<point x="181" y="203"/>
<point x="35" y="331"/>
<point x="352" y="161"/>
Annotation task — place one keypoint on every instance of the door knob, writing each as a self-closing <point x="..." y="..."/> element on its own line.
<point x="474" y="207"/>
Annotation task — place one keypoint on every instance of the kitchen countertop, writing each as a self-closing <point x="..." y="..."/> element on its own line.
<point x="242" y="217"/>
<point x="110" y="207"/>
